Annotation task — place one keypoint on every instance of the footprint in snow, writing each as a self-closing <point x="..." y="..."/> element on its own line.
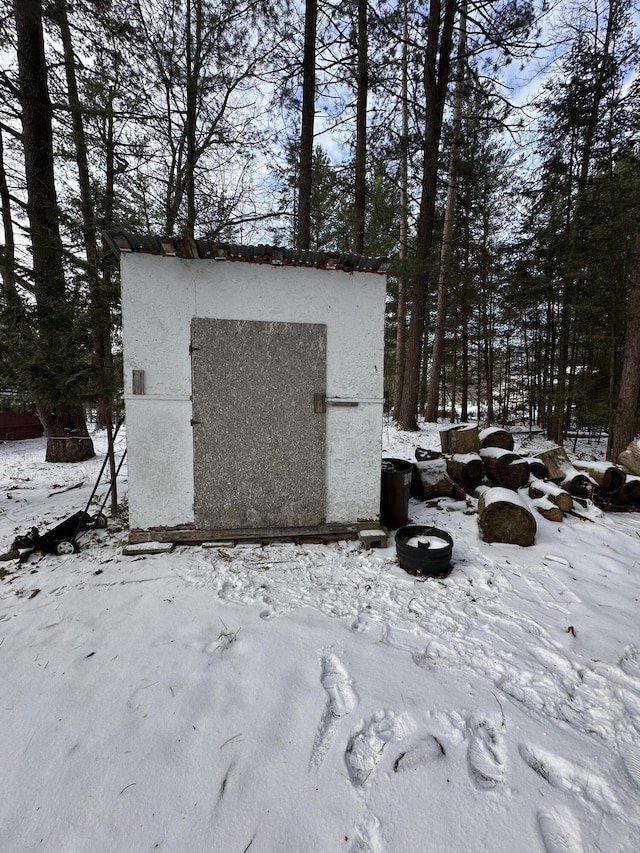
<point x="629" y="662"/>
<point x="486" y="754"/>
<point x="341" y="700"/>
<point x="560" y="831"/>
<point x="367" y="743"/>
<point x="367" y="836"/>
<point x="561" y="773"/>
<point x="425" y="751"/>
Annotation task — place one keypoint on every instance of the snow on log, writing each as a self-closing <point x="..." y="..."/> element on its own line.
<point x="629" y="492"/>
<point x="504" y="517"/>
<point x="466" y="469"/>
<point x="630" y="458"/>
<point x="553" y="493"/>
<point x="430" y="480"/>
<point x="459" y="438"/>
<point x="548" y="510"/>
<point x="505" y="468"/>
<point x="496" y="437"/>
<point x="609" y="479"/>
<point x="562" y="470"/>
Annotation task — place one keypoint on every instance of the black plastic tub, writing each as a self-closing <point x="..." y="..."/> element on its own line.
<point x="429" y="557"/>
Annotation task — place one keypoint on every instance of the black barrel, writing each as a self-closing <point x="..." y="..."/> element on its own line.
<point x="394" y="499"/>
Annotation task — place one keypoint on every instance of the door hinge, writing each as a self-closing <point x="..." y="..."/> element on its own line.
<point x="195" y="422"/>
<point x="193" y="349"/>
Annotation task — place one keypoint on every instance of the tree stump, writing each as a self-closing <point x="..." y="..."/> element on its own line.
<point x="552" y="492"/>
<point x="504" y="468"/>
<point x="466" y="469"/>
<point x="496" y="437"/>
<point x="504" y="517"/>
<point x="459" y="438"/>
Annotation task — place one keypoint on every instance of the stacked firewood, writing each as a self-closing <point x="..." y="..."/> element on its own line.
<point x="510" y="487"/>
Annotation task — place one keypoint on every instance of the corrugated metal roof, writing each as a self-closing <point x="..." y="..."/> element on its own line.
<point x="185" y="247"/>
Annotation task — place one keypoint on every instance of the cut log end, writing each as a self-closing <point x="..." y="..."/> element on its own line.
<point x="502" y="519"/>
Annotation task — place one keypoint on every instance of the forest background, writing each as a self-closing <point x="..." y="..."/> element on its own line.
<point x="490" y="146"/>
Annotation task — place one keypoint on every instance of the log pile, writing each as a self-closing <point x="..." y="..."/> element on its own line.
<point x="511" y="489"/>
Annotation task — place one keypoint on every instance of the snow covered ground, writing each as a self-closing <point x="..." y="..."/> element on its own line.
<point x="317" y="698"/>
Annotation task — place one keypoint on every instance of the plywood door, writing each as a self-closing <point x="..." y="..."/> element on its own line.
<point x="259" y="447"/>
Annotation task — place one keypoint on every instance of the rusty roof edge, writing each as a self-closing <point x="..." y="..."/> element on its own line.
<point x="186" y="247"/>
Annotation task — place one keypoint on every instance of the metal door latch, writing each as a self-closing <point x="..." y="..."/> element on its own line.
<point x="320" y="403"/>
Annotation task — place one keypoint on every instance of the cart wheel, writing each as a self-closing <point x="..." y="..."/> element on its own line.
<point x="66" y="546"/>
<point x="100" y="520"/>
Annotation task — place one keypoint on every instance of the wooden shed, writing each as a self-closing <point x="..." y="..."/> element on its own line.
<point x="253" y="389"/>
<point x="16" y="426"/>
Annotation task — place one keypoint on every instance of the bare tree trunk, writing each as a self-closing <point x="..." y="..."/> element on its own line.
<point x="436" y="78"/>
<point x="306" y="133"/>
<point x="561" y="410"/>
<point x="401" y="330"/>
<point x="62" y="421"/>
<point x="7" y="251"/>
<point x="360" y="188"/>
<point x="431" y="410"/>
<point x="100" y="316"/>
<point x="625" y="424"/>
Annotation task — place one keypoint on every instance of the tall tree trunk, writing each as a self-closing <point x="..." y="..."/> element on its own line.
<point x="561" y="410"/>
<point x="431" y="409"/>
<point x="62" y="421"/>
<point x="401" y="313"/>
<point x="194" y="19"/>
<point x="624" y="429"/>
<point x="436" y="78"/>
<point x="360" y="188"/>
<point x="306" y="132"/>
<point x="7" y="250"/>
<point x="100" y="313"/>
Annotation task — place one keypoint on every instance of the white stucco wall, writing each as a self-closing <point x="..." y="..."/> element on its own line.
<point x="160" y="296"/>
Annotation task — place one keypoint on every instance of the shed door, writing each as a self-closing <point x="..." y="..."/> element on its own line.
<point x="259" y="448"/>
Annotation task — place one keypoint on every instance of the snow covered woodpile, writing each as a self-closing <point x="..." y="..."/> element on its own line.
<point x="546" y="484"/>
<point x="253" y="389"/>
